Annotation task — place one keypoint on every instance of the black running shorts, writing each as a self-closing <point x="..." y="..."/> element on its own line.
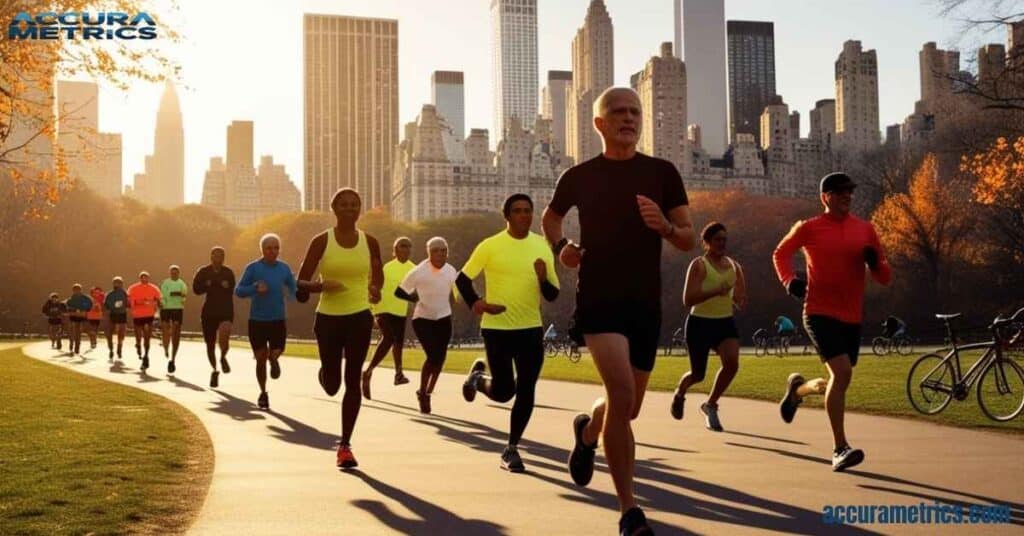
<point x="144" y="321"/>
<point x="833" y="337"/>
<point x="172" y="315"/>
<point x="264" y="335"/>
<point x="118" y="318"/>
<point x="639" y="322"/>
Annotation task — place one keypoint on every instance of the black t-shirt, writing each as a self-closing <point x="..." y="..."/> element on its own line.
<point x="219" y="287"/>
<point x="54" y="309"/>
<point x="622" y="258"/>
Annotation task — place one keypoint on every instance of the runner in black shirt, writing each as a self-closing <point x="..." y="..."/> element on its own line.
<point x="628" y="203"/>
<point x="218" y="283"/>
<point x="54" y="309"/>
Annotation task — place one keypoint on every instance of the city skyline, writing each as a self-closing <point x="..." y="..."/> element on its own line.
<point x="270" y="93"/>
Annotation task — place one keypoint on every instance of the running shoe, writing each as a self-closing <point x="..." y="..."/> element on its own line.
<point x="138" y="350"/>
<point x="365" y="385"/>
<point x="510" y="460"/>
<point x="424" y="402"/>
<point x="275" y="369"/>
<point x="400" y="379"/>
<point x="170" y="367"/>
<point x="145" y="363"/>
<point x="678" y="401"/>
<point x="263" y="401"/>
<point x="581" y="460"/>
<point x="224" y="366"/>
<point x="346" y="460"/>
<point x="469" y="386"/>
<point x="214" y="376"/>
<point x="111" y="356"/>
<point x="845" y="457"/>
<point x="790" y="402"/>
<point x="711" y="421"/>
<point x="634" y="523"/>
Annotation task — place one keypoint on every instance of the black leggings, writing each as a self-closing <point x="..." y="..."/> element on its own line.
<point x="434" y="336"/>
<point x="524" y="348"/>
<point x="343" y="337"/>
<point x="392" y="334"/>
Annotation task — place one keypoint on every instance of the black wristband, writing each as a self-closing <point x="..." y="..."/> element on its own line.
<point x="557" y="248"/>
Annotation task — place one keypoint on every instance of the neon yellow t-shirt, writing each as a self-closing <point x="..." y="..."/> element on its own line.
<point x="394" y="272"/>
<point x="507" y="263"/>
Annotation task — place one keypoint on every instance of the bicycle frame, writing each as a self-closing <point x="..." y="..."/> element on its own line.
<point x="967" y="380"/>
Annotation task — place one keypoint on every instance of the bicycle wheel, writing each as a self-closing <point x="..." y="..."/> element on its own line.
<point x="574" y="354"/>
<point x="930" y="384"/>
<point x="903" y="346"/>
<point x="549" y="350"/>
<point x="879" y="346"/>
<point x="1001" y="390"/>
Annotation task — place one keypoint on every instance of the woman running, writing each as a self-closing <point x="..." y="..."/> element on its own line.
<point x="429" y="286"/>
<point x="54" y="309"/>
<point x="714" y="285"/>
<point x="390" y="315"/>
<point x="351" y="275"/>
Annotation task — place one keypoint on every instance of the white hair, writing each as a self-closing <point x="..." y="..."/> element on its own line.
<point x="401" y="239"/>
<point x="435" y="241"/>
<point x="602" y="102"/>
<point x="268" y="237"/>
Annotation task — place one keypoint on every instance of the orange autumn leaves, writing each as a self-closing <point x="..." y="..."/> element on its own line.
<point x="999" y="172"/>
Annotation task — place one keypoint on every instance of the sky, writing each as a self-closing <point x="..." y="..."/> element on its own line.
<point x="242" y="60"/>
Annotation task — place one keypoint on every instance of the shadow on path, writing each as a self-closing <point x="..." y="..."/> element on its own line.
<point x="236" y="408"/>
<point x="535" y="406"/>
<point x="178" y="382"/>
<point x="432" y="519"/>
<point x="768" y="438"/>
<point x="1016" y="509"/>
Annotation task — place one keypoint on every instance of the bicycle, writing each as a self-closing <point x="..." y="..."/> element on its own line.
<point x="883" y="345"/>
<point x="552" y="347"/>
<point x="678" y="340"/>
<point x="937" y="380"/>
<point x="765" y="344"/>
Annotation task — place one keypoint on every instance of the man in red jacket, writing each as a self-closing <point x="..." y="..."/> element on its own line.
<point x="837" y="246"/>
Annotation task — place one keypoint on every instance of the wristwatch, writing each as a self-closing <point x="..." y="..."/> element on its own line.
<point x="557" y="248"/>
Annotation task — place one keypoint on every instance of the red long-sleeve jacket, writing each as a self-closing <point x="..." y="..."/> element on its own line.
<point x="834" y="250"/>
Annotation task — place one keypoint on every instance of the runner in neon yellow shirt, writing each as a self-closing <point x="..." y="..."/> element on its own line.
<point x="172" y="312"/>
<point x="390" y="314"/>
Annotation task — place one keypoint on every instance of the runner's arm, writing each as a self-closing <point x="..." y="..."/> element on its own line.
<point x="466" y="290"/>
<point x="247" y="286"/>
<point x="693" y="291"/>
<point x="400" y="293"/>
<point x="376" y="269"/>
<point x="782" y="257"/>
<point x="883" y="273"/>
<point x="314" y="253"/>
<point x="739" y="296"/>
<point x="681" y="233"/>
<point x="197" y="289"/>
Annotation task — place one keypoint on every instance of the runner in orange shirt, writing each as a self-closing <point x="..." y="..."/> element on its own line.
<point x="95" y="315"/>
<point x="143" y="298"/>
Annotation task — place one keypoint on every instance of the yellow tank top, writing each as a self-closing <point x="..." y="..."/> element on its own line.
<point x="351" y="268"/>
<point x="719" y="306"/>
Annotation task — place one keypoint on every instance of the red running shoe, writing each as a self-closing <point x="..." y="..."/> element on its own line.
<point x="346" y="460"/>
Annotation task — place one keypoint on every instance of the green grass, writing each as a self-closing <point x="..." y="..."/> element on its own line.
<point x="879" y="384"/>
<point x="80" y="455"/>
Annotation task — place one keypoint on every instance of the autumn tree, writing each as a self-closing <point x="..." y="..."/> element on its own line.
<point x="33" y="172"/>
<point x="999" y="187"/>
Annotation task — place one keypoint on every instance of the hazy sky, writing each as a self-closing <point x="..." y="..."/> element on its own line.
<point x="243" y="60"/>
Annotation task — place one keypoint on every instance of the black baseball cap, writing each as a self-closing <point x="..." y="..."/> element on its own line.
<point x="837" y="181"/>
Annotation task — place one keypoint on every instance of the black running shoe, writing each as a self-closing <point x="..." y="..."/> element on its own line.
<point x="678" y="401"/>
<point x="145" y="363"/>
<point x="263" y="401"/>
<point x="790" y="402"/>
<point x="224" y="366"/>
<point x="170" y="367"/>
<point x="845" y="457"/>
<point x="634" y="523"/>
<point x="214" y="376"/>
<point x="275" y="369"/>
<point x="111" y="356"/>
<point x="469" y="386"/>
<point x="424" y="402"/>
<point x="581" y="460"/>
<point x="510" y="460"/>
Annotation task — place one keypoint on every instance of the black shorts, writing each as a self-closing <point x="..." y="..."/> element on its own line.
<point x="705" y="334"/>
<point x="211" y="324"/>
<point x="833" y="337"/>
<point x="55" y="321"/>
<point x="639" y="322"/>
<point x="393" y="326"/>
<point x="118" y="318"/>
<point x="144" y="321"/>
<point x="94" y="322"/>
<point x="172" y="315"/>
<point x="267" y="334"/>
<point x="434" y="336"/>
<point x="77" y="319"/>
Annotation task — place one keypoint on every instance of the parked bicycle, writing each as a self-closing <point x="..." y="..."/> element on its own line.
<point x="935" y="380"/>
<point x="677" y="342"/>
<point x="765" y="344"/>
<point x="900" y="344"/>
<point x="564" y="345"/>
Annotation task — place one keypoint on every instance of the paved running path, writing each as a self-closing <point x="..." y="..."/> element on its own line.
<point x="274" y="472"/>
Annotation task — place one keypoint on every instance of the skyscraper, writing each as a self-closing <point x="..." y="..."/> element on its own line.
<point x="823" y="122"/>
<point x="514" y="62"/>
<point x="448" y="94"/>
<point x="350" y="72"/>
<point x="92" y="158"/>
<point x="856" y="98"/>
<point x="751" y="74"/>
<point x="163" y="181"/>
<point x="662" y="89"/>
<point x="240" y="143"/>
<point x="939" y="69"/>
<point x="700" y="42"/>
<point x="593" y="71"/>
<point x="553" y="107"/>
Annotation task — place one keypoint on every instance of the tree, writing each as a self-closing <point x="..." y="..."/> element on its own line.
<point x="34" y="172"/>
<point x="926" y="233"/>
<point x="999" y="187"/>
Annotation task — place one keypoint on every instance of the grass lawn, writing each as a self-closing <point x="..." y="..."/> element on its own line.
<point x="80" y="455"/>
<point x="879" y="384"/>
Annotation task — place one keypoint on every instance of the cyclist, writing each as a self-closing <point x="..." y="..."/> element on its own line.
<point x="894" y="327"/>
